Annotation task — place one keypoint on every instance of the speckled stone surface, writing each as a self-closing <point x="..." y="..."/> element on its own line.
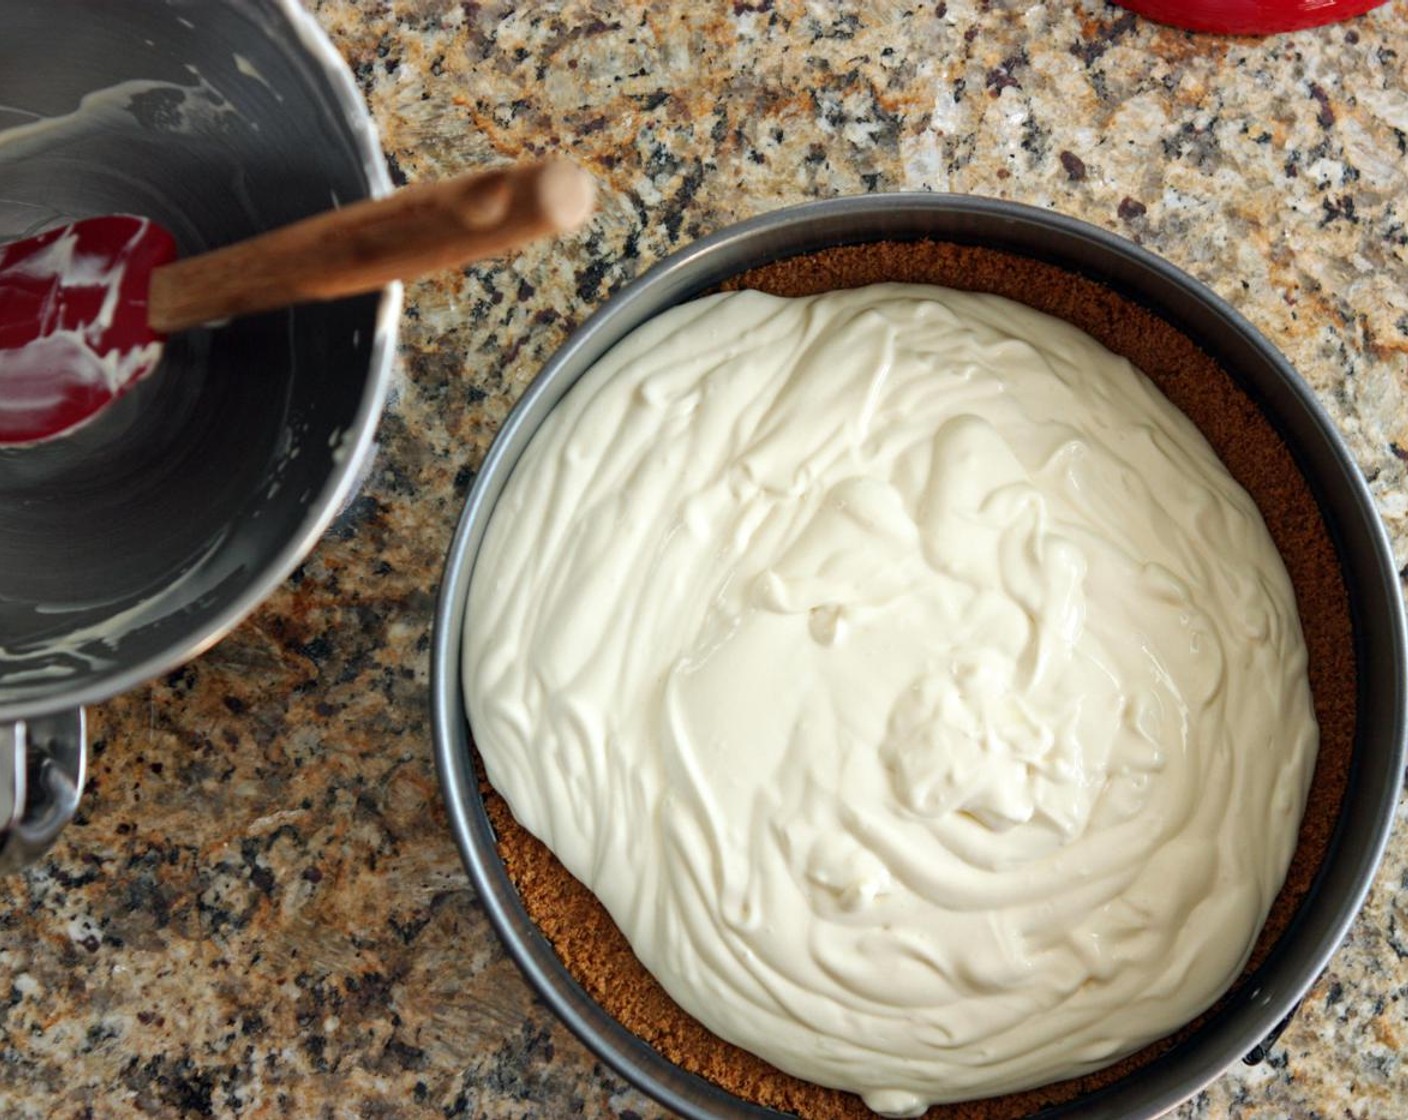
<point x="260" y="912"/>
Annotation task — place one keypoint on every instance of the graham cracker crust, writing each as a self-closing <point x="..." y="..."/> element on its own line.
<point x="594" y="950"/>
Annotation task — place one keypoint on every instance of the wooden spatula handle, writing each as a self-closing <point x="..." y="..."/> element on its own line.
<point x="363" y="246"/>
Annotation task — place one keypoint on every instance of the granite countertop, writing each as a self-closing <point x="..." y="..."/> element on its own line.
<point x="260" y="912"/>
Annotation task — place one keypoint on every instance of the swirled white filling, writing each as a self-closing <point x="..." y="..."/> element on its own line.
<point x="906" y="676"/>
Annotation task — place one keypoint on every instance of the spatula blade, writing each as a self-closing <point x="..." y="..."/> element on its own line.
<point x="73" y="322"/>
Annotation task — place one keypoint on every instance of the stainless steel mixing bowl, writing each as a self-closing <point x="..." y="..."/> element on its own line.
<point x="1256" y="1009"/>
<point x="136" y="542"/>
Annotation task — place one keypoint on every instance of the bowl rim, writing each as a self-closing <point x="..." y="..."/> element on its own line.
<point x="1217" y="1045"/>
<point x="344" y="480"/>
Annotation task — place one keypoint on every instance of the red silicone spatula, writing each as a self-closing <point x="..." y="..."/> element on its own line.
<point x="84" y="309"/>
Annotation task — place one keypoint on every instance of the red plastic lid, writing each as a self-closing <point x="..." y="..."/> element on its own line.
<point x="1248" y="17"/>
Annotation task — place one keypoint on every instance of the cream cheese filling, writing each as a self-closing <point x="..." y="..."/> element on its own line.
<point x="908" y="679"/>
